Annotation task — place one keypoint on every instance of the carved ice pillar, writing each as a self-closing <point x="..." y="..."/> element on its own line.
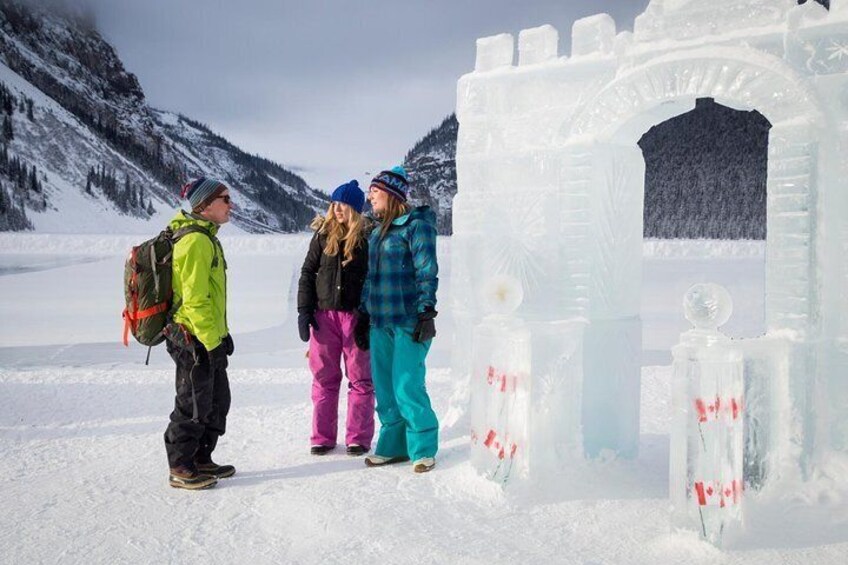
<point x="613" y="340"/>
<point x="707" y="436"/>
<point x="834" y="266"/>
<point x="792" y="289"/>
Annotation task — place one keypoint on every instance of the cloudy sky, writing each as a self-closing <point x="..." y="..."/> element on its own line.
<point x="329" y="88"/>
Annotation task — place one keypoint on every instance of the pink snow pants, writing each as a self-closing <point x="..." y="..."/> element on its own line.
<point x="329" y="345"/>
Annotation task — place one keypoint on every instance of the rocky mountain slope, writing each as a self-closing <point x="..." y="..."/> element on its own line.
<point x="81" y="150"/>
<point x="431" y="165"/>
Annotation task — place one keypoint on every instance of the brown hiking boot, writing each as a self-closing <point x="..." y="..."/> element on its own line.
<point x="183" y="477"/>
<point x="218" y="471"/>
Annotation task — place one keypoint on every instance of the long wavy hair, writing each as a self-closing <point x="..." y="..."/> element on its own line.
<point x="394" y="209"/>
<point x="345" y="237"/>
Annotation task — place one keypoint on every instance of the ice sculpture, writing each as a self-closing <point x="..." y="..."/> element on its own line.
<point x="551" y="189"/>
<point x="525" y="405"/>
<point x="500" y="387"/>
<point x="707" y="437"/>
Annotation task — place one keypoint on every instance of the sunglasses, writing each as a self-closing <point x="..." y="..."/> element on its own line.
<point x="225" y="198"/>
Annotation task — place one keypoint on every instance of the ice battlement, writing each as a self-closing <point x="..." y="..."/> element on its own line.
<point x="591" y="36"/>
<point x="664" y="24"/>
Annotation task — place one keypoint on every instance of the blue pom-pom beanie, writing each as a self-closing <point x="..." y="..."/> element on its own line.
<point x="350" y="194"/>
<point x="394" y="181"/>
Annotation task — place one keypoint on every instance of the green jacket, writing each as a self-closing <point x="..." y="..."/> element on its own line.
<point x="200" y="282"/>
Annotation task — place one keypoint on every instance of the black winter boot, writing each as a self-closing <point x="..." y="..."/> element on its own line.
<point x="218" y="471"/>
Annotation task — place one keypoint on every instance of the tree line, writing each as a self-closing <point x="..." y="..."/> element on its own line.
<point x="19" y="185"/>
<point x="128" y="197"/>
<point x="9" y="104"/>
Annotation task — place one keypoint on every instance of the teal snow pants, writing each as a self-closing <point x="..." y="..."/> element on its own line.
<point x="409" y="427"/>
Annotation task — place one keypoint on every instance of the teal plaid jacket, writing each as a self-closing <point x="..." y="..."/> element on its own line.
<point x="402" y="270"/>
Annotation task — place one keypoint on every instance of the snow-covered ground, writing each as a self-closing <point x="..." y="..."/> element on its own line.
<point x="83" y="470"/>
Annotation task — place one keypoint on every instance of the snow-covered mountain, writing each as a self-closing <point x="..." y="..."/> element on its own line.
<point x="431" y="165"/>
<point x="82" y="151"/>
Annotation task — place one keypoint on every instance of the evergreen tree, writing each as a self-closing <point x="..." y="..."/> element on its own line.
<point x="132" y="197"/>
<point x="7" y="102"/>
<point x="33" y="180"/>
<point x="8" y="130"/>
<point x="29" y="110"/>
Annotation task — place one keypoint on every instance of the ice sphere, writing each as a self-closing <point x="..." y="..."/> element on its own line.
<point x="494" y="52"/>
<point x="502" y="294"/>
<point x="707" y="306"/>
<point x="595" y="34"/>
<point x="537" y="45"/>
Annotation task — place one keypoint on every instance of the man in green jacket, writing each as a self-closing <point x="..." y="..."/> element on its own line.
<point x="198" y="338"/>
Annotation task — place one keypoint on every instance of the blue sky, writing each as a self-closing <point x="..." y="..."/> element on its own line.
<point x="329" y="88"/>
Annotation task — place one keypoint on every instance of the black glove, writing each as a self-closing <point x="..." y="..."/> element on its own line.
<point x="361" y="333"/>
<point x="425" y="329"/>
<point x="229" y="346"/>
<point x="304" y="320"/>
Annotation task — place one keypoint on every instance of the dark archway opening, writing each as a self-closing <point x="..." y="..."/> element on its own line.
<point x="825" y="3"/>
<point x="705" y="174"/>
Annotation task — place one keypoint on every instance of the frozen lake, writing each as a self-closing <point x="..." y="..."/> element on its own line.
<point x="83" y="471"/>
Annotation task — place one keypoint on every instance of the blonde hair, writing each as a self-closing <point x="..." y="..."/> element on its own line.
<point x="394" y="210"/>
<point x="350" y="234"/>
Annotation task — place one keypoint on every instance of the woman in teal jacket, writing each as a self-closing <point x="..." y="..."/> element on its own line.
<point x="399" y="300"/>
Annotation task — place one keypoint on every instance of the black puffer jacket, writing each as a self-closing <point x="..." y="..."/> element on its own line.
<point x="327" y="285"/>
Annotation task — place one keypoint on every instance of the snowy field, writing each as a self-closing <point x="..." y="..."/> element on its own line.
<point x="83" y="473"/>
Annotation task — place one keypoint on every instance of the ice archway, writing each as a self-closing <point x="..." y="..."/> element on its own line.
<point x="551" y="186"/>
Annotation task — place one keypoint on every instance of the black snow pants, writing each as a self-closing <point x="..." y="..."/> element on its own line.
<point x="202" y="388"/>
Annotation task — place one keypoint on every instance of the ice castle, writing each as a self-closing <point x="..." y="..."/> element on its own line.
<point x="550" y="207"/>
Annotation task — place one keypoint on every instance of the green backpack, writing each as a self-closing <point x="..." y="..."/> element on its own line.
<point x="148" y="291"/>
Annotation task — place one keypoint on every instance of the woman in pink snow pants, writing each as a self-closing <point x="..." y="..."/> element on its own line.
<point x="327" y="299"/>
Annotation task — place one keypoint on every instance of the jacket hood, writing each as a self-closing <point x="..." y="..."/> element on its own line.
<point x="183" y="219"/>
<point x="317" y="222"/>
<point x="423" y="213"/>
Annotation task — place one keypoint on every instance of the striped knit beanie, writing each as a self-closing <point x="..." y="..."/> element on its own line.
<point x="393" y="181"/>
<point x="200" y="192"/>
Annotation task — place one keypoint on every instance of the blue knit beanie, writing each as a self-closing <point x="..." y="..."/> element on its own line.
<point x="350" y="194"/>
<point x="394" y="181"/>
<point x="201" y="191"/>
